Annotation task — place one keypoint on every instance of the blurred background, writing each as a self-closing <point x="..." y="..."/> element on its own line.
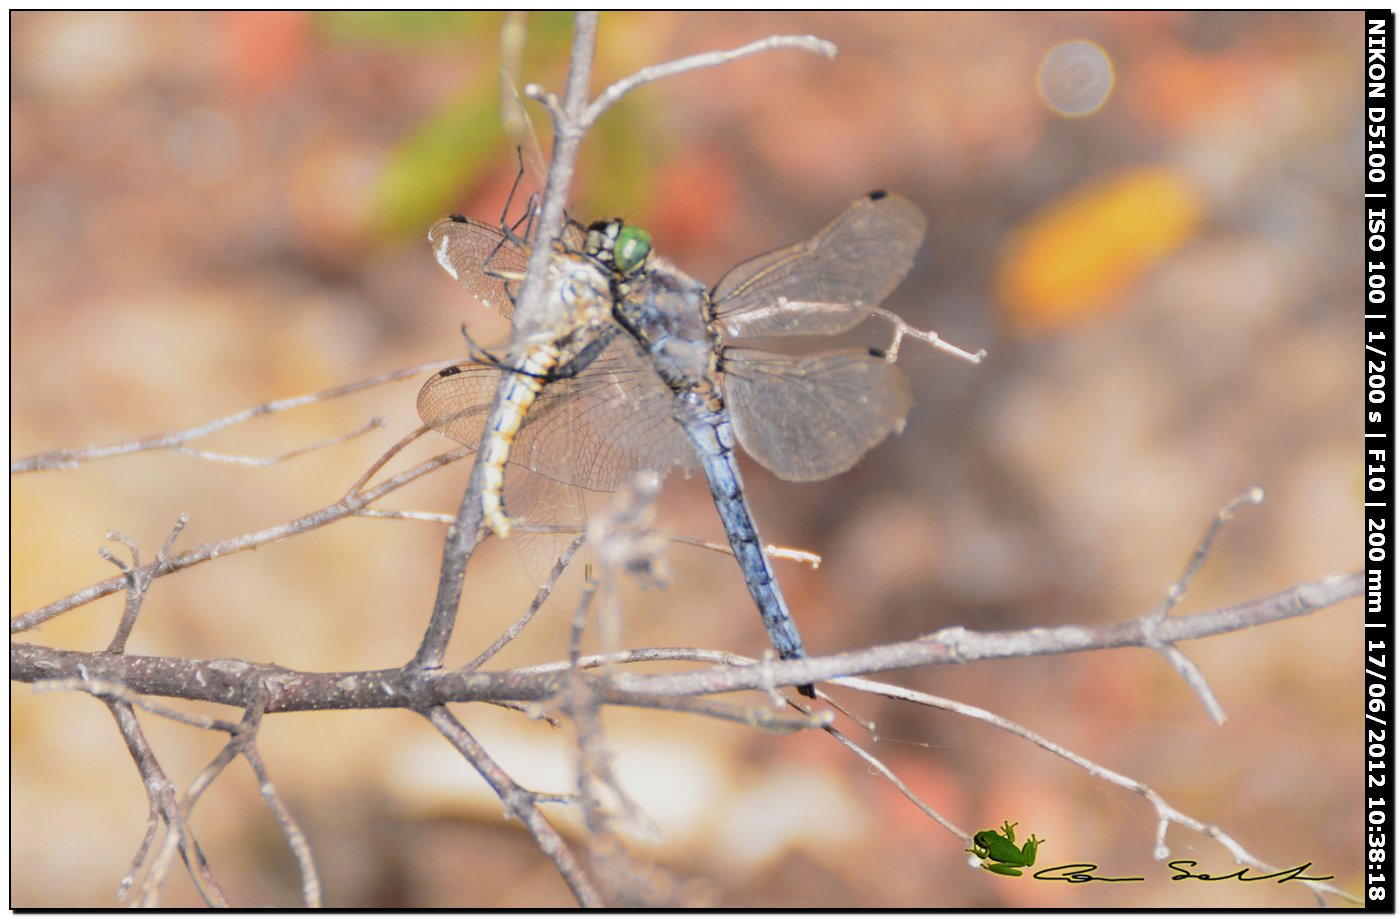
<point x="1155" y="233"/>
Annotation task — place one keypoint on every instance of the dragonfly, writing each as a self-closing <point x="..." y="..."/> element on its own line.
<point x="568" y="333"/>
<point x="645" y="377"/>
<point x="805" y="417"/>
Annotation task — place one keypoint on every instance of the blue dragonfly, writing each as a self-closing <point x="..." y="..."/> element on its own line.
<point x="805" y="417"/>
<point x="655" y="382"/>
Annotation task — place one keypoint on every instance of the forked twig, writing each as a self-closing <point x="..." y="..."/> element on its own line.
<point x="930" y="337"/>
<point x="67" y="459"/>
<point x="226" y="681"/>
<point x="346" y="507"/>
<point x="160" y="866"/>
<point x="1174" y="655"/>
<point x="610" y="96"/>
<point x="519" y="803"/>
<point x="161" y="794"/>
<point x="1166" y="814"/>
<point x="259" y="462"/>
<point x="138" y="579"/>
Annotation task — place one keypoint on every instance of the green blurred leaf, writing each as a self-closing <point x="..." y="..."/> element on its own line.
<point x="620" y="157"/>
<point x="408" y="28"/>
<point x="434" y="167"/>
<point x="431" y="168"/>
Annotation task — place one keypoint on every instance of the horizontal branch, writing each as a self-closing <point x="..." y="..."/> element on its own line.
<point x="235" y="682"/>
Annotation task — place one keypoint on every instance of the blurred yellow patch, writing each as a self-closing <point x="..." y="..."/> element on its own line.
<point x="1073" y="259"/>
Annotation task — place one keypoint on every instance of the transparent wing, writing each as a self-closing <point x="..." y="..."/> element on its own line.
<point x="481" y="259"/>
<point x="456" y="401"/>
<point x="829" y="283"/>
<point x="520" y="127"/>
<point x="812" y="417"/>
<point x="548" y="516"/>
<point x="592" y="430"/>
<point x="595" y="429"/>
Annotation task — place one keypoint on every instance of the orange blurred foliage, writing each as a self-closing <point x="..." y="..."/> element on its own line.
<point x="264" y="50"/>
<point x="1075" y="258"/>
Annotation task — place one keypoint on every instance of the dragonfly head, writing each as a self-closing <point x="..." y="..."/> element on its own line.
<point x="614" y="243"/>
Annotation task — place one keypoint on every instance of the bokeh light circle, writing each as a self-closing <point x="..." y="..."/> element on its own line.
<point x="1076" y="78"/>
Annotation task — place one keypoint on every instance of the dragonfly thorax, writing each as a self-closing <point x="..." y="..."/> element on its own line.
<point x="579" y="294"/>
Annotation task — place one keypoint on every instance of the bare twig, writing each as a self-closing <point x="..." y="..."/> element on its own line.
<point x="111" y="691"/>
<point x="296" y="839"/>
<point x="161" y="793"/>
<point x="1174" y="655"/>
<point x="960" y="645"/>
<point x="67" y="459"/>
<point x="160" y="867"/>
<point x="932" y="338"/>
<point x="1166" y="814"/>
<point x="227" y="682"/>
<point x="520" y="803"/>
<point x="346" y="507"/>
<point x="402" y="444"/>
<point x="875" y="763"/>
<point x="540" y="598"/>
<point x="138" y="579"/>
<point x="613" y="93"/>
<point x="259" y="462"/>
<point x="811" y="559"/>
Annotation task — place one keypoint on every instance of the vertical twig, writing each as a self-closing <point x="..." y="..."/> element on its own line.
<point x="161" y="792"/>
<point x="520" y="803"/>
<point x="465" y="533"/>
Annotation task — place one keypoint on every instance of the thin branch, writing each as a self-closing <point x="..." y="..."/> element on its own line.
<point x="784" y="553"/>
<point x="160" y="867"/>
<point x="543" y="595"/>
<point x="929" y="337"/>
<point x="384" y="458"/>
<point x="138" y="580"/>
<point x="464" y="534"/>
<point x="960" y="645"/>
<point x="296" y="839"/>
<point x="1182" y="664"/>
<point x="613" y="93"/>
<point x="520" y="803"/>
<point x="1252" y="496"/>
<point x="67" y="459"/>
<point x="111" y="691"/>
<point x="227" y="681"/>
<point x="346" y="507"/>
<point x="161" y="794"/>
<point x="260" y="462"/>
<point x="875" y="763"/>
<point x="1166" y="814"/>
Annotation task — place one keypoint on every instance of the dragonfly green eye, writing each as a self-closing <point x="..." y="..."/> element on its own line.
<point x="631" y="249"/>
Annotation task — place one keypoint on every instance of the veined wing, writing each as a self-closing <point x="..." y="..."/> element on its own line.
<point x="481" y="258"/>
<point x="812" y="417"/>
<point x="611" y="419"/>
<point x="593" y="429"/>
<point x="829" y="283"/>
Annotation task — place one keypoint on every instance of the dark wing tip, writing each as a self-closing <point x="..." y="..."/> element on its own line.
<point x="877" y="194"/>
<point x="449" y="371"/>
<point x="456" y="218"/>
<point x="876" y="352"/>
